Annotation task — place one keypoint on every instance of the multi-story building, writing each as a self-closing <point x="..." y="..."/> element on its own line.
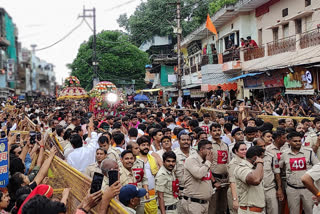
<point x="287" y="33"/>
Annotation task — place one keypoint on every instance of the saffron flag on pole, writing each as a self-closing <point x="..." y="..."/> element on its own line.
<point x="210" y="26"/>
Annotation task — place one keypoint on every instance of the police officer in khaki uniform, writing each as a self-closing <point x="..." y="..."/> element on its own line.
<point x="105" y="143"/>
<point x="271" y="179"/>
<point x="296" y="161"/>
<point x="219" y="169"/>
<point x="182" y="153"/>
<point x="198" y="180"/>
<point x="278" y="146"/>
<point x="311" y="180"/>
<point x="249" y="175"/>
<point x="101" y="154"/>
<point x="239" y="152"/>
<point x="167" y="185"/>
<point x="126" y="173"/>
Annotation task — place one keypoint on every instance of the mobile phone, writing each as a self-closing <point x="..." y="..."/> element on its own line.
<point x="96" y="183"/>
<point x="3" y="134"/>
<point x="18" y="138"/>
<point x="32" y="137"/>
<point x="113" y="176"/>
<point x="38" y="136"/>
<point x="23" y="117"/>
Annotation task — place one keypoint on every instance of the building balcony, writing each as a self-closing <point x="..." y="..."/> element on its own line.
<point x="253" y="53"/>
<point x="287" y="44"/>
<point x="209" y="59"/>
<point x="231" y="55"/>
<point x="310" y="38"/>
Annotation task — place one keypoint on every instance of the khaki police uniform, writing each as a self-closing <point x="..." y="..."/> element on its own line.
<point x="179" y="171"/>
<point x="270" y="168"/>
<point x="167" y="183"/>
<point x="219" y="169"/>
<point x="91" y="169"/>
<point x="231" y="166"/>
<point x="197" y="185"/>
<point x="250" y="197"/>
<point x="138" y="169"/>
<point x="127" y="177"/>
<point x="314" y="173"/>
<point x="296" y="166"/>
<point x="112" y="154"/>
<point x="309" y="137"/>
<point x="277" y="153"/>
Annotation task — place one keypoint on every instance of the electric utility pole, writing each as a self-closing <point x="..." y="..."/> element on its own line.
<point x="92" y="14"/>
<point x="179" y="32"/>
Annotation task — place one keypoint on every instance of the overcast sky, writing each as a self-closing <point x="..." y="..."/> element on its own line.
<point x="43" y="22"/>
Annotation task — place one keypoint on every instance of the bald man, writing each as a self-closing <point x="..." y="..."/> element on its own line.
<point x="107" y="165"/>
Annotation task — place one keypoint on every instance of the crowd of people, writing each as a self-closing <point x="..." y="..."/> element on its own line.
<point x="166" y="160"/>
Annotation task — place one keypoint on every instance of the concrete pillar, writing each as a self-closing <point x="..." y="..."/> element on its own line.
<point x="241" y="55"/>
<point x="298" y="39"/>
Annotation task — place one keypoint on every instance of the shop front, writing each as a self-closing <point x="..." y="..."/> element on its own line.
<point x="301" y="81"/>
<point x="265" y="85"/>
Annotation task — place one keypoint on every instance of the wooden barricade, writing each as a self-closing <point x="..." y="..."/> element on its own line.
<point x="62" y="175"/>
<point x="274" y="119"/>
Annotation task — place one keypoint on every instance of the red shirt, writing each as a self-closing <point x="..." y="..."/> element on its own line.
<point x="253" y="43"/>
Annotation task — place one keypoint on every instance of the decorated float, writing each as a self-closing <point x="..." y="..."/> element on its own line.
<point x="72" y="90"/>
<point x="105" y="97"/>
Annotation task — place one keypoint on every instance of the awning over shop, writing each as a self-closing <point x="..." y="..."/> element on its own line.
<point x="191" y="86"/>
<point x="243" y="76"/>
<point x="225" y="87"/>
<point x="170" y="89"/>
<point x="150" y="90"/>
<point x="300" y="92"/>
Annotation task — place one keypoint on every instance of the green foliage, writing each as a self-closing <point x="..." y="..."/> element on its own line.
<point x="118" y="60"/>
<point x="218" y="4"/>
<point x="158" y="17"/>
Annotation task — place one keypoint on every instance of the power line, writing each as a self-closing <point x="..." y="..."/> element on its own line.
<point x="63" y="38"/>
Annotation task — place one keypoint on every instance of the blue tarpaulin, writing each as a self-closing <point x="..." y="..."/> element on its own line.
<point x="243" y="76"/>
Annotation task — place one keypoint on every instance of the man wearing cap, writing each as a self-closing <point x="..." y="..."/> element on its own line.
<point x="130" y="197"/>
<point x="198" y="180"/>
<point x="167" y="186"/>
<point x="250" y="133"/>
<point x="220" y="150"/>
<point x="182" y="153"/>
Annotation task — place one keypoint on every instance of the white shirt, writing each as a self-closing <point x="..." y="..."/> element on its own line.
<point x="81" y="157"/>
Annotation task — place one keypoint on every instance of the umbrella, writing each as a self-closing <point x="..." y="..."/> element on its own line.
<point x="141" y="98"/>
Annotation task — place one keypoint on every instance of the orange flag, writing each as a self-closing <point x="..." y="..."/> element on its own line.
<point x="211" y="26"/>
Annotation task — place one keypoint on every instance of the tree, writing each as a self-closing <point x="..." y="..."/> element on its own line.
<point x="158" y="17"/>
<point x="118" y="60"/>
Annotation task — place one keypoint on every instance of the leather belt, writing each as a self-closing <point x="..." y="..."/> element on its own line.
<point x="200" y="201"/>
<point x="220" y="176"/>
<point x="295" y="187"/>
<point x="252" y="209"/>
<point x="170" y="207"/>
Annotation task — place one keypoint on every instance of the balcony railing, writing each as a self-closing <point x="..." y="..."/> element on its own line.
<point x="253" y="53"/>
<point x="310" y="38"/>
<point x="281" y="46"/>
<point x="231" y="55"/>
<point x="209" y="59"/>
